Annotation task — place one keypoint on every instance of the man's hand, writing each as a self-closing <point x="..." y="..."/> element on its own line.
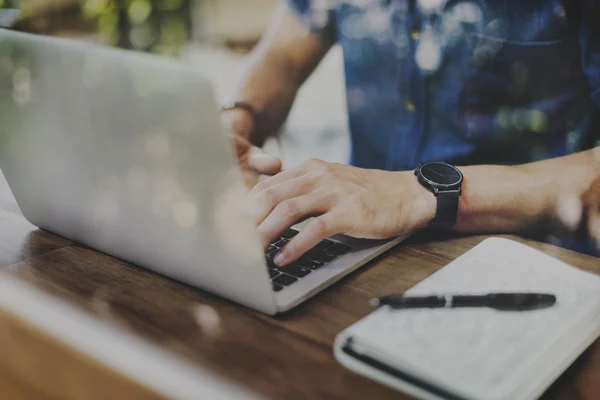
<point x="362" y="203"/>
<point x="253" y="161"/>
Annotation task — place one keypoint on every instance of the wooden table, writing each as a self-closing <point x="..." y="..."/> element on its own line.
<point x="77" y="324"/>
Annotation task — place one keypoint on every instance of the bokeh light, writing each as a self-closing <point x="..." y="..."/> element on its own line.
<point x="207" y="318"/>
<point x="185" y="213"/>
<point x="158" y="144"/>
<point x="430" y="6"/>
<point x="429" y="52"/>
<point x="139" y="11"/>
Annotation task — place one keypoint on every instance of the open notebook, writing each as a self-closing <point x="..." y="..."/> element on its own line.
<point x="480" y="353"/>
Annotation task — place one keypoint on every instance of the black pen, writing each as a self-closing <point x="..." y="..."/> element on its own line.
<point x="498" y="301"/>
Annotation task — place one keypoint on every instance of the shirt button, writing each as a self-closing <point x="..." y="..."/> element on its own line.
<point x="415" y="34"/>
<point x="410" y="106"/>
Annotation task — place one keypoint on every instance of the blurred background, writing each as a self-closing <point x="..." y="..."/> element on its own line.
<point x="213" y="35"/>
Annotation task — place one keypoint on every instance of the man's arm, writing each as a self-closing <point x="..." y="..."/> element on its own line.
<point x="377" y="204"/>
<point x="513" y="199"/>
<point x="284" y="58"/>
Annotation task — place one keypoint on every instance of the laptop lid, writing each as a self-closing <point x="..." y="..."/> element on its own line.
<point x="124" y="152"/>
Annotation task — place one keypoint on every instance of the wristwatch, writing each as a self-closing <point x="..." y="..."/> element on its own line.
<point x="445" y="182"/>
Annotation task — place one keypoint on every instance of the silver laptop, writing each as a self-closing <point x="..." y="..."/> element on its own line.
<point x="124" y="152"/>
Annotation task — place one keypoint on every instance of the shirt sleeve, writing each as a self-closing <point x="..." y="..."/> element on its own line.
<point x="590" y="45"/>
<point x="318" y="16"/>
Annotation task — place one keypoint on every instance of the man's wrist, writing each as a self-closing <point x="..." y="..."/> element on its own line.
<point x="423" y="204"/>
<point x="238" y="121"/>
<point x="503" y="198"/>
<point x="427" y="205"/>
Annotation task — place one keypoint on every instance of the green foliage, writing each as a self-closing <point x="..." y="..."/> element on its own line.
<point x="139" y="11"/>
<point x="151" y="25"/>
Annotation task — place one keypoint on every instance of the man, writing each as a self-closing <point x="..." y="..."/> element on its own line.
<point x="508" y="91"/>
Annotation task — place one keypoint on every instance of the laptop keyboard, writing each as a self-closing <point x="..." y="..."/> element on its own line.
<point x="319" y="256"/>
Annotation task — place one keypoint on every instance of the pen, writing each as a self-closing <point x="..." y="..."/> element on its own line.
<point x="498" y="301"/>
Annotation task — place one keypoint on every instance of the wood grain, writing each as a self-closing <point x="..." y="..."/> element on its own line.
<point x="19" y="240"/>
<point x="38" y="366"/>
<point x="293" y="350"/>
<point x="13" y="388"/>
<point x="242" y="346"/>
<point x="451" y="246"/>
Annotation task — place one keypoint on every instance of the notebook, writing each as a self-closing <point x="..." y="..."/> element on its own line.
<point x="480" y="353"/>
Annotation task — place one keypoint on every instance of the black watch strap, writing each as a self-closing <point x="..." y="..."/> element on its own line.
<point x="447" y="208"/>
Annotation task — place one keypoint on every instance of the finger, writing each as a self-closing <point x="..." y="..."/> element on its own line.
<point x="250" y="176"/>
<point x="263" y="163"/>
<point x="242" y="147"/>
<point x="274" y="180"/>
<point x="268" y="199"/>
<point x="316" y="230"/>
<point x="289" y="212"/>
<point x="264" y="177"/>
<point x="312" y="166"/>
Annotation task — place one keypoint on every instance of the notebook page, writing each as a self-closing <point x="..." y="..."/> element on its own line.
<point x="482" y="351"/>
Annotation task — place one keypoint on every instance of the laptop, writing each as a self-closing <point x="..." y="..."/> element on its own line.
<point x="124" y="152"/>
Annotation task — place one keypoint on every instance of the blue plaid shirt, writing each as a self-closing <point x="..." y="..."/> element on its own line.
<point x="465" y="81"/>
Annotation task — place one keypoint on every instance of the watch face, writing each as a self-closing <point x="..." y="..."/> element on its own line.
<point x="441" y="174"/>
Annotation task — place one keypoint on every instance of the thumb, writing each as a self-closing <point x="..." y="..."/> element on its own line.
<point x="241" y="146"/>
<point x="264" y="163"/>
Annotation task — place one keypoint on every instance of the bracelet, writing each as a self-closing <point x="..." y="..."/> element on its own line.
<point x="243" y="106"/>
<point x="258" y="116"/>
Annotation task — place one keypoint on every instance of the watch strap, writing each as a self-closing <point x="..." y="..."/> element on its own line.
<point x="447" y="209"/>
